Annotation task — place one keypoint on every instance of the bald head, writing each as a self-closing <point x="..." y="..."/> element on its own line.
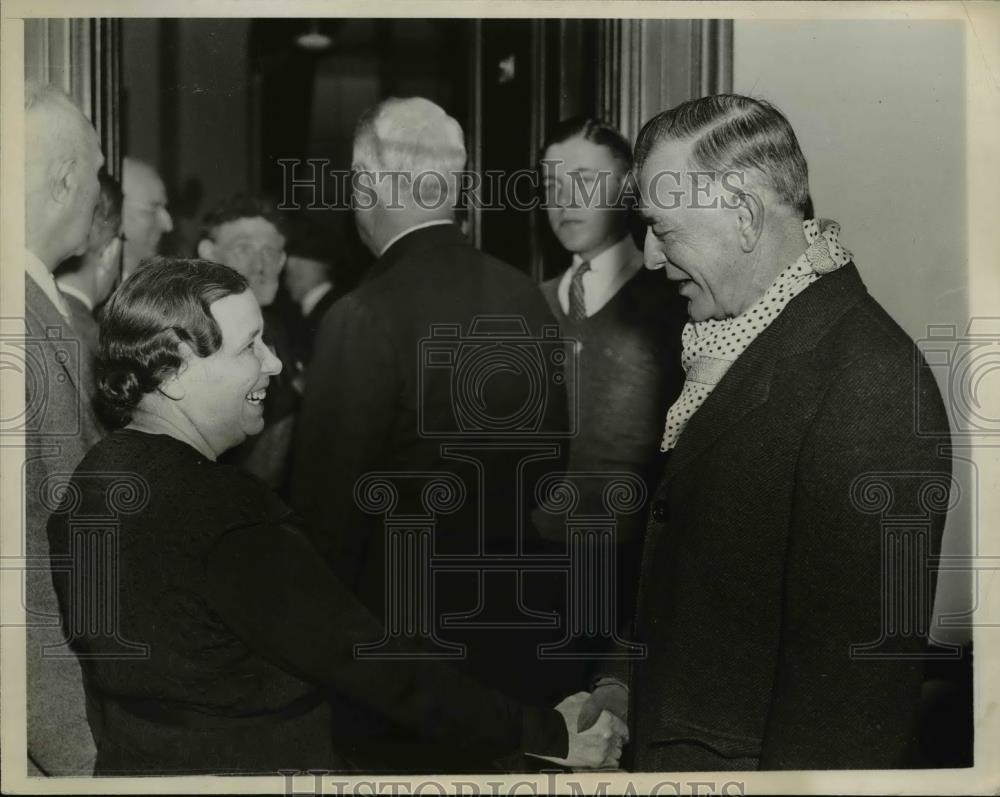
<point x="57" y="127"/>
<point x="409" y="152"/>
<point x="144" y="213"/>
<point x="62" y="158"/>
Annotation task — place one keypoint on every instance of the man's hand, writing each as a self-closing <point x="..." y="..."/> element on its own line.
<point x="611" y="696"/>
<point x="598" y="747"/>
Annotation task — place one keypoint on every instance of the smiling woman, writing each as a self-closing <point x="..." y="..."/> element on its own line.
<point x="176" y="377"/>
<point x="244" y="627"/>
<point x="201" y="382"/>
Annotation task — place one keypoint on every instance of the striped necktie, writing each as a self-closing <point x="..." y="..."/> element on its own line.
<point x="577" y="306"/>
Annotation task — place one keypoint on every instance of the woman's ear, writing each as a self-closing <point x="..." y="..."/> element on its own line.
<point x="206" y="249"/>
<point x="174" y="386"/>
<point x="749" y="219"/>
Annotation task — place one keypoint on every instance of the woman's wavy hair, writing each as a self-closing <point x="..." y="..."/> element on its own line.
<point x="161" y="305"/>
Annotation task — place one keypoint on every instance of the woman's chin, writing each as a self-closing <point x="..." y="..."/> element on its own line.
<point x="253" y="426"/>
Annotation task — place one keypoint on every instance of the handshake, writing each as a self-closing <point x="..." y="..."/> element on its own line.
<point x="596" y="726"/>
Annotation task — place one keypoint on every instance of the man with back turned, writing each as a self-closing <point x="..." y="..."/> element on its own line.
<point x="373" y="403"/>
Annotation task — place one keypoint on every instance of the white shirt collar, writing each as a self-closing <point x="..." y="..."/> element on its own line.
<point x="71" y="290"/>
<point x="36" y="269"/>
<point x="414" y="228"/>
<point x="313" y="295"/>
<point x="609" y="270"/>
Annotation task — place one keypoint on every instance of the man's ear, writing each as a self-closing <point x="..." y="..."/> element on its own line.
<point x="64" y="182"/>
<point x="173" y="387"/>
<point x="206" y="249"/>
<point x="366" y="176"/>
<point x="749" y="219"/>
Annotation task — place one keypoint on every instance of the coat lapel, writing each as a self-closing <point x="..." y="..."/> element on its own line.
<point x="747" y="384"/>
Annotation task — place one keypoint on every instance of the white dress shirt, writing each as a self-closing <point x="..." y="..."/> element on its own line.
<point x="611" y="269"/>
<point x="36" y="269"/>
<point x="70" y="290"/>
<point x="313" y="295"/>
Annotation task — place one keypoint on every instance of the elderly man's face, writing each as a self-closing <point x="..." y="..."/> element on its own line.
<point x="256" y="249"/>
<point x="62" y="159"/>
<point x="692" y="233"/>
<point x="144" y="211"/>
<point x="81" y="211"/>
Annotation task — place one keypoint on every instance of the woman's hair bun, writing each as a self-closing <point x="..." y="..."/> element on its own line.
<point x="119" y="391"/>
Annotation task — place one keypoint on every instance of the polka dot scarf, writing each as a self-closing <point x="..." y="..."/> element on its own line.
<point x="710" y="347"/>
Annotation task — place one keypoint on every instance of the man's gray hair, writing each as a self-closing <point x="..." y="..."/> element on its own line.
<point x="60" y="129"/>
<point x="38" y="95"/>
<point x="730" y="132"/>
<point x="411" y="135"/>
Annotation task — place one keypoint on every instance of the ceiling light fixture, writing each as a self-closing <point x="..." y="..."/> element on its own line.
<point x="312" y="39"/>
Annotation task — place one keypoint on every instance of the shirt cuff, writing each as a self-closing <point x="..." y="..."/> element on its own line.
<point x="607" y="680"/>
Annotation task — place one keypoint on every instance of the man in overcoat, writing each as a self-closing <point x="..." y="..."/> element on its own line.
<point x="783" y="612"/>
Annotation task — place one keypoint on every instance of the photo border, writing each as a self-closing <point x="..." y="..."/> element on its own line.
<point x="982" y="53"/>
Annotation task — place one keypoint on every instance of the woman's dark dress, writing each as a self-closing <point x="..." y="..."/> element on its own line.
<point x="245" y="630"/>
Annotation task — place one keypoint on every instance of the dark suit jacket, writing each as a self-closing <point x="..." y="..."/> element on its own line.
<point x="628" y="359"/>
<point x="308" y="327"/>
<point x="764" y="563"/>
<point x="59" y="428"/>
<point x="375" y="403"/>
<point x="86" y="326"/>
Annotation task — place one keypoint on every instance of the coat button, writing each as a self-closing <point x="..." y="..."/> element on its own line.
<point x="659" y="511"/>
